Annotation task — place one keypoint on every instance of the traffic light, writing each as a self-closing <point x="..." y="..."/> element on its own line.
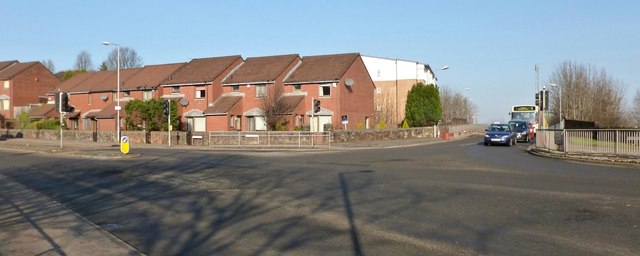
<point x="546" y="100"/>
<point x="316" y="106"/>
<point x="65" y="106"/>
<point x="538" y="99"/>
<point x="166" y="107"/>
<point x="62" y="103"/>
<point x="57" y="100"/>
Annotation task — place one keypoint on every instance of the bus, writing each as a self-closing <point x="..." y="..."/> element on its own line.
<point x="527" y="113"/>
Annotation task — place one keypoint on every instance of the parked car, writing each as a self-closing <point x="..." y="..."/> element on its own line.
<point x="500" y="133"/>
<point x="523" y="130"/>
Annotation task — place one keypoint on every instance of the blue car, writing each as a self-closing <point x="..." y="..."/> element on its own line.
<point x="499" y="133"/>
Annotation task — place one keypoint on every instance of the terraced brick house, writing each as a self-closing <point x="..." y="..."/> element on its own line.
<point x="21" y="88"/>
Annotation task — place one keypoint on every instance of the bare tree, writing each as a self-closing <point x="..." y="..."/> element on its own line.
<point x="588" y="94"/>
<point x="129" y="58"/>
<point x="385" y="110"/>
<point x="455" y="106"/>
<point x="83" y="61"/>
<point x="49" y="65"/>
<point x="634" y="117"/>
<point x="274" y="108"/>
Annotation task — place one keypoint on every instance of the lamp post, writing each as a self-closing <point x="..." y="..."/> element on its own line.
<point x="118" y="108"/>
<point x="560" y="94"/>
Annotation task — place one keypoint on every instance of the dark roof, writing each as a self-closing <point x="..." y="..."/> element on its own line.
<point x="260" y="69"/>
<point x="12" y="70"/>
<point x="290" y="102"/>
<point x="322" y="68"/>
<point x="202" y="70"/>
<point x="46" y="110"/>
<point x="150" y="76"/>
<point x="223" y="104"/>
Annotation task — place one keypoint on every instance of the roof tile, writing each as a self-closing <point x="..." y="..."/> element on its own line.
<point x="260" y="69"/>
<point x="202" y="70"/>
<point x="223" y="104"/>
<point x="322" y="68"/>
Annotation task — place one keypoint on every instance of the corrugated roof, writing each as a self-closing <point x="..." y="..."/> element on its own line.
<point x="223" y="104"/>
<point x="322" y="68"/>
<point x="150" y="76"/>
<point x="12" y="70"/>
<point x="260" y="69"/>
<point x="202" y="70"/>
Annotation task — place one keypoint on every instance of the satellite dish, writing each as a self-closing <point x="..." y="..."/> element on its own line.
<point x="349" y="82"/>
<point x="184" y="102"/>
<point x="104" y="97"/>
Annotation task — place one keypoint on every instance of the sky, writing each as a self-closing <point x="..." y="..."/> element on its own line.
<point x="490" y="46"/>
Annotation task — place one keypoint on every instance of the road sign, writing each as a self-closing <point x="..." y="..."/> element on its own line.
<point x="345" y="119"/>
<point x="124" y="145"/>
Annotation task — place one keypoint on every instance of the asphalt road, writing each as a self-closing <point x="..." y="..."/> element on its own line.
<point x="453" y="198"/>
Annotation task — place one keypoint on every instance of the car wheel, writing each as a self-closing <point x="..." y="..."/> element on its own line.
<point x="486" y="144"/>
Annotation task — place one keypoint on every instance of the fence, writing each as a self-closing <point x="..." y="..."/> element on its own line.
<point x="267" y="139"/>
<point x="590" y="141"/>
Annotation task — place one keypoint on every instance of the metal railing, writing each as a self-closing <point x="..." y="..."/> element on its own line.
<point x="590" y="141"/>
<point x="268" y="139"/>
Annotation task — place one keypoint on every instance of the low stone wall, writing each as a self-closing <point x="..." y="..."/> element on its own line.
<point x="184" y="138"/>
<point x="341" y="136"/>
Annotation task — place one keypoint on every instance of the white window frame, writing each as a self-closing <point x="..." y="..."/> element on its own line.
<point x="127" y="94"/>
<point x="261" y="91"/>
<point x="4" y="105"/>
<point x="321" y="90"/>
<point x="235" y="88"/>
<point x="175" y="89"/>
<point x="200" y="92"/>
<point x="232" y="121"/>
<point x="297" y="87"/>
<point x="6" y="84"/>
<point x="147" y="95"/>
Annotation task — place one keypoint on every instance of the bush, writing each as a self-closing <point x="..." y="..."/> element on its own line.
<point x="44" y="125"/>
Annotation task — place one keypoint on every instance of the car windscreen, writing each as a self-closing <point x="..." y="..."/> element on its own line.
<point x="500" y="128"/>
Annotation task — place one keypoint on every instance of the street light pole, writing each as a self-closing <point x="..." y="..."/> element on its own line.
<point x="118" y="108"/>
<point x="559" y="94"/>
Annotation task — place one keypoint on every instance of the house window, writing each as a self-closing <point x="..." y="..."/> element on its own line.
<point x="4" y="104"/>
<point x="235" y="88"/>
<point x="299" y="120"/>
<point x="200" y="92"/>
<point x="325" y="90"/>
<point x="297" y="87"/>
<point x="127" y="94"/>
<point x="238" y="119"/>
<point x="261" y="91"/>
<point x="147" y="95"/>
<point x="6" y="84"/>
<point x="232" y="121"/>
<point x="175" y="89"/>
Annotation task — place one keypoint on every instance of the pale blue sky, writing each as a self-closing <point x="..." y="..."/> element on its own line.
<point x="490" y="46"/>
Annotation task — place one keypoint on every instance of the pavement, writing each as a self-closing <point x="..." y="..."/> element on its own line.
<point x="33" y="224"/>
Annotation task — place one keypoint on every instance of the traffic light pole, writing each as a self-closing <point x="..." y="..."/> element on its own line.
<point x="169" y="121"/>
<point x="61" y="115"/>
